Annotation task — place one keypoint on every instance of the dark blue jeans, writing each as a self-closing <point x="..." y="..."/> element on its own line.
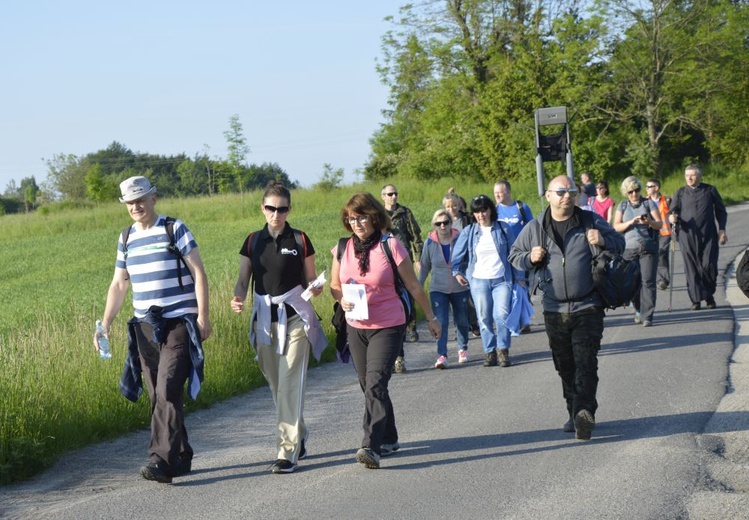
<point x="441" y="303"/>
<point x="575" y="340"/>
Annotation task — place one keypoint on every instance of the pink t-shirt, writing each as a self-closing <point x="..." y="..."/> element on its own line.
<point x="602" y="208"/>
<point x="385" y="308"/>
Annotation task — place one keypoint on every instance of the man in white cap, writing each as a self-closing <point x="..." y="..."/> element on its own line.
<point x="170" y="299"/>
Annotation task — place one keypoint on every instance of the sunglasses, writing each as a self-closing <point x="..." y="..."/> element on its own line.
<point x="442" y="223"/>
<point x="561" y="192"/>
<point x="636" y="190"/>
<point x="392" y="194"/>
<point x="650" y="186"/>
<point x="272" y="209"/>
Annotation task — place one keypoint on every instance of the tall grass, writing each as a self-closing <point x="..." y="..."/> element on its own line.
<point x="58" y="395"/>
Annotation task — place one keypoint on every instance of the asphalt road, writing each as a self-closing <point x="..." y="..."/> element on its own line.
<point x="475" y="442"/>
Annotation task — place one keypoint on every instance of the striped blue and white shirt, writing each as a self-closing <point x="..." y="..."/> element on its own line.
<point x="153" y="269"/>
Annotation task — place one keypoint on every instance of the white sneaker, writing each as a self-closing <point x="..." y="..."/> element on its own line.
<point x="441" y="362"/>
<point x="463" y="356"/>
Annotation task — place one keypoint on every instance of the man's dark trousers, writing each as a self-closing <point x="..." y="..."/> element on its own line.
<point x="575" y="340"/>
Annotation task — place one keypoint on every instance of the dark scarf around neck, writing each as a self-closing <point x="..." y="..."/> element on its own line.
<point x="362" y="248"/>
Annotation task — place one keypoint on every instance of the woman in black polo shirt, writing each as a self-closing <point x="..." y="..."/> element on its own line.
<point x="283" y="325"/>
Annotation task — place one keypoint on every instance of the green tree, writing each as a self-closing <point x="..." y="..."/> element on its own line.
<point x="330" y="178"/>
<point x="236" y="160"/>
<point x="29" y="191"/>
<point x="67" y="176"/>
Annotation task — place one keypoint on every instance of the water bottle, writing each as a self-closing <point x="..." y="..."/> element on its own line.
<point x="102" y="341"/>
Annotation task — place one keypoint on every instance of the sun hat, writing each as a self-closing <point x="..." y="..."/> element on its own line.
<point x="135" y="188"/>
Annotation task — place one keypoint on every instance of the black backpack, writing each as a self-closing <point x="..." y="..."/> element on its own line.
<point x="616" y="279"/>
<point x="169" y="226"/>
<point x="742" y="274"/>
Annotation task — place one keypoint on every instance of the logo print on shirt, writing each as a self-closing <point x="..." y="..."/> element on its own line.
<point x="285" y="251"/>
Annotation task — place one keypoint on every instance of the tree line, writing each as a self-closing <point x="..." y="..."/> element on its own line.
<point x="650" y="85"/>
<point x="95" y="177"/>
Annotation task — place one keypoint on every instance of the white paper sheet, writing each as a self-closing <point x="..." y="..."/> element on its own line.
<point x="319" y="282"/>
<point x="357" y="294"/>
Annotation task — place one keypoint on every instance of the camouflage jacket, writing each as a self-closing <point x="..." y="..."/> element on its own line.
<point x="405" y="228"/>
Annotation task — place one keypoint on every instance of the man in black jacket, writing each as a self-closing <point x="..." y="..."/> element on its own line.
<point x="556" y="249"/>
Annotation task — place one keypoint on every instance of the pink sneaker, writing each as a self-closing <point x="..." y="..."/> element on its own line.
<point x="463" y="356"/>
<point x="441" y="362"/>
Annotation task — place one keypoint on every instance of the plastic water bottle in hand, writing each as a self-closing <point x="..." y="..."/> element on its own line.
<point x="102" y="341"/>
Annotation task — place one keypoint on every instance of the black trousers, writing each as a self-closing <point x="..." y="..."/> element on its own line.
<point x="166" y="368"/>
<point x="373" y="353"/>
<point x="575" y="340"/>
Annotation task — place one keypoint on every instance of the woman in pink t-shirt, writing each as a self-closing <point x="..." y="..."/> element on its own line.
<point x="602" y="203"/>
<point x="375" y="342"/>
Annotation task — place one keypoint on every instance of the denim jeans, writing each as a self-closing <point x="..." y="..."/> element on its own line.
<point x="440" y="307"/>
<point x="492" y="299"/>
<point x="575" y="340"/>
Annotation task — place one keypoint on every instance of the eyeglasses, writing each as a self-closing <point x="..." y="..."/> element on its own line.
<point x="600" y="187"/>
<point x="272" y="209"/>
<point x="392" y="194"/>
<point x="443" y="223"/>
<point x="561" y="192"/>
<point x="636" y="190"/>
<point x="361" y="220"/>
<point x="650" y="186"/>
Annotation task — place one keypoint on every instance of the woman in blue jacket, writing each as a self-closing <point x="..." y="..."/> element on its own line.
<point x="480" y="262"/>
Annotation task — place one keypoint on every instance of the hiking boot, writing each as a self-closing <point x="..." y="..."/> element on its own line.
<point x="282" y="466"/>
<point x="156" y="471"/>
<point x="504" y="357"/>
<point x="412" y="337"/>
<point x="696" y="306"/>
<point x="662" y="286"/>
<point x="463" y="356"/>
<point x="584" y="425"/>
<point x="476" y="333"/>
<point x="441" y="363"/>
<point x="389" y="449"/>
<point x="525" y="330"/>
<point x="710" y="303"/>
<point x="368" y="457"/>
<point x="491" y="359"/>
<point x="569" y="426"/>
<point x="400" y="365"/>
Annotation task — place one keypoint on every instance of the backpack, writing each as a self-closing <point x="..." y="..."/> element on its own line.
<point x="742" y="274"/>
<point x="523" y="217"/>
<point x="172" y="248"/>
<point x="616" y="279"/>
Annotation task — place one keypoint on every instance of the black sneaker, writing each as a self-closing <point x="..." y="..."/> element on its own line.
<point x="303" y="451"/>
<point x="476" y="333"/>
<point x="710" y="303"/>
<point x="491" y="359"/>
<point x="584" y="425"/>
<point x="569" y="426"/>
<point x="696" y="306"/>
<point x="389" y="448"/>
<point x="183" y="466"/>
<point x="156" y="471"/>
<point x="368" y="457"/>
<point x="283" y="466"/>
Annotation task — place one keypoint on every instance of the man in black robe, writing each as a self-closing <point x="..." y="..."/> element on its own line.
<point x="696" y="207"/>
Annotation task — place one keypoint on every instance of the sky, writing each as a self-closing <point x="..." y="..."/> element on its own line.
<point x="165" y="77"/>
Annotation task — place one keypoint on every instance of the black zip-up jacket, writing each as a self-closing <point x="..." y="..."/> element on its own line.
<point x="565" y="278"/>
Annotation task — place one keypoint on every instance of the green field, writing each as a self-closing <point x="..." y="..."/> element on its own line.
<point x="57" y="394"/>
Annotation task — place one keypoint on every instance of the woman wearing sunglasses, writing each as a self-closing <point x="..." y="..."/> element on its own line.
<point x="444" y="290"/>
<point x="281" y="261"/>
<point x="637" y="218"/>
<point x="375" y="340"/>
<point x="480" y="262"/>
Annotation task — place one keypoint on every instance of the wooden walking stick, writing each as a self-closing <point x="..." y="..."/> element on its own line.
<point x="672" y="247"/>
